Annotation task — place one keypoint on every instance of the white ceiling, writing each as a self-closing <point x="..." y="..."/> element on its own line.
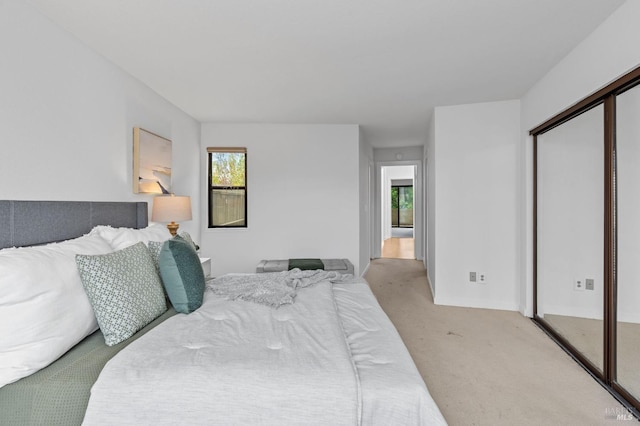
<point x="383" y="64"/>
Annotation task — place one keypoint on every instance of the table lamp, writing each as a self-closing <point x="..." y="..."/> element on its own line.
<point x="169" y="208"/>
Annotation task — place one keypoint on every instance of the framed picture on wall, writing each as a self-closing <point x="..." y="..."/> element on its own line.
<point x="151" y="163"/>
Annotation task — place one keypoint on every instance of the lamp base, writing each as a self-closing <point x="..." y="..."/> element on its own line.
<point x="173" y="228"/>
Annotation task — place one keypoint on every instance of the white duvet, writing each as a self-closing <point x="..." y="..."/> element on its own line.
<point x="330" y="358"/>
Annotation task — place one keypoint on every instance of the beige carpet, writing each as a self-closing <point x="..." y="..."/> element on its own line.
<point x="486" y="367"/>
<point x="586" y="335"/>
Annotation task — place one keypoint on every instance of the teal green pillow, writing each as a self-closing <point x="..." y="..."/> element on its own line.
<point x="124" y="290"/>
<point x="187" y="237"/>
<point x="182" y="275"/>
<point x="156" y="246"/>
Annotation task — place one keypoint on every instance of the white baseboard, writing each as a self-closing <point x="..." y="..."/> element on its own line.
<point x="365" y="269"/>
<point x="476" y="303"/>
<point x="433" y="291"/>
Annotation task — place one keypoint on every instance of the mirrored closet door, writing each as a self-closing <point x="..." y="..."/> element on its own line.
<point x="587" y="234"/>
<point x="570" y="237"/>
<point x="628" y="237"/>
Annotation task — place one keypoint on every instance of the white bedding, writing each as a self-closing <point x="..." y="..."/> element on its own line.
<point x="332" y="357"/>
<point x="393" y="392"/>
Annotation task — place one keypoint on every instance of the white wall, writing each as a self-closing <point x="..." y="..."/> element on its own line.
<point x="67" y="118"/>
<point x="303" y="185"/>
<point x="473" y="159"/>
<point x="430" y="204"/>
<point x="609" y="52"/>
<point x="409" y="153"/>
<point x="366" y="173"/>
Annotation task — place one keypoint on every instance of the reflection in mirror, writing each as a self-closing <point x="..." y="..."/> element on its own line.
<point x="628" y="227"/>
<point x="570" y="221"/>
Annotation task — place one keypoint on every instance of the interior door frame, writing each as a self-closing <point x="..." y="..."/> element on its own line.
<point x="418" y="194"/>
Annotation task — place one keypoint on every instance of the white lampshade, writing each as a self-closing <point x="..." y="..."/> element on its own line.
<point x="171" y="208"/>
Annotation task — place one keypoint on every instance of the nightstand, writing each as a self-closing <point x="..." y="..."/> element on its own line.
<point x="206" y="266"/>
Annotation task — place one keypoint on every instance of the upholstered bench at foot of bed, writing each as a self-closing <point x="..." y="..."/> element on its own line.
<point x="344" y="266"/>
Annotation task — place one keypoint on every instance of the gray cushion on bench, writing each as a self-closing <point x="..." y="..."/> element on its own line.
<point x="344" y="266"/>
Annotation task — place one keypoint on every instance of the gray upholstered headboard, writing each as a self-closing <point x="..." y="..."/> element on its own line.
<point x="25" y="223"/>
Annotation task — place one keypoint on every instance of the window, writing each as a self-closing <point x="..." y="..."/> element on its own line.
<point x="402" y="206"/>
<point x="227" y="187"/>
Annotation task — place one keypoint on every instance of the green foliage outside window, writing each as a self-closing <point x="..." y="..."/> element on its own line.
<point x="228" y="169"/>
<point x="402" y="197"/>
<point x="406" y="198"/>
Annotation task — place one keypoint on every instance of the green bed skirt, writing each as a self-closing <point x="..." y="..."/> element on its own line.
<point x="59" y="393"/>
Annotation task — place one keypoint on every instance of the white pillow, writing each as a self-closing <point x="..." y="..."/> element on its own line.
<point x="44" y="310"/>
<point x="120" y="238"/>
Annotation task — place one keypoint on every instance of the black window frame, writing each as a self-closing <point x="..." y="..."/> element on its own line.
<point x="211" y="187"/>
<point x="412" y="199"/>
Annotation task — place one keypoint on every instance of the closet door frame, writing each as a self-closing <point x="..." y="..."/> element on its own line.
<point x="607" y="97"/>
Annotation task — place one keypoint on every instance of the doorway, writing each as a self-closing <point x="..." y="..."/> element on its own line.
<point x="397" y="212"/>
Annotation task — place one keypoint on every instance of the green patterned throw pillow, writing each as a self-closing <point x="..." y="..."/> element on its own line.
<point x="124" y="290"/>
<point x="182" y="274"/>
<point x="154" y="250"/>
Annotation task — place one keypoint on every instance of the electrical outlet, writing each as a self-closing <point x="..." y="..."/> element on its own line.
<point x="482" y="278"/>
<point x="578" y="284"/>
<point x="472" y="277"/>
<point x="589" y="284"/>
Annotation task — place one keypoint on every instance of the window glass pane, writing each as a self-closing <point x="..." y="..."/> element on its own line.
<point x="227" y="169"/>
<point x="227" y="207"/>
<point x="394" y="205"/>
<point x="406" y="206"/>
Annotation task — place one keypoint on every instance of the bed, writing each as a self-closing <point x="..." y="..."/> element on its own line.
<point x="326" y="354"/>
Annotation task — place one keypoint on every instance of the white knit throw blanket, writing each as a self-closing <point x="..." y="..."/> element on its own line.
<point x="271" y="289"/>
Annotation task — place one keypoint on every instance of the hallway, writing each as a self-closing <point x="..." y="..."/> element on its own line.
<point x="398" y="248"/>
